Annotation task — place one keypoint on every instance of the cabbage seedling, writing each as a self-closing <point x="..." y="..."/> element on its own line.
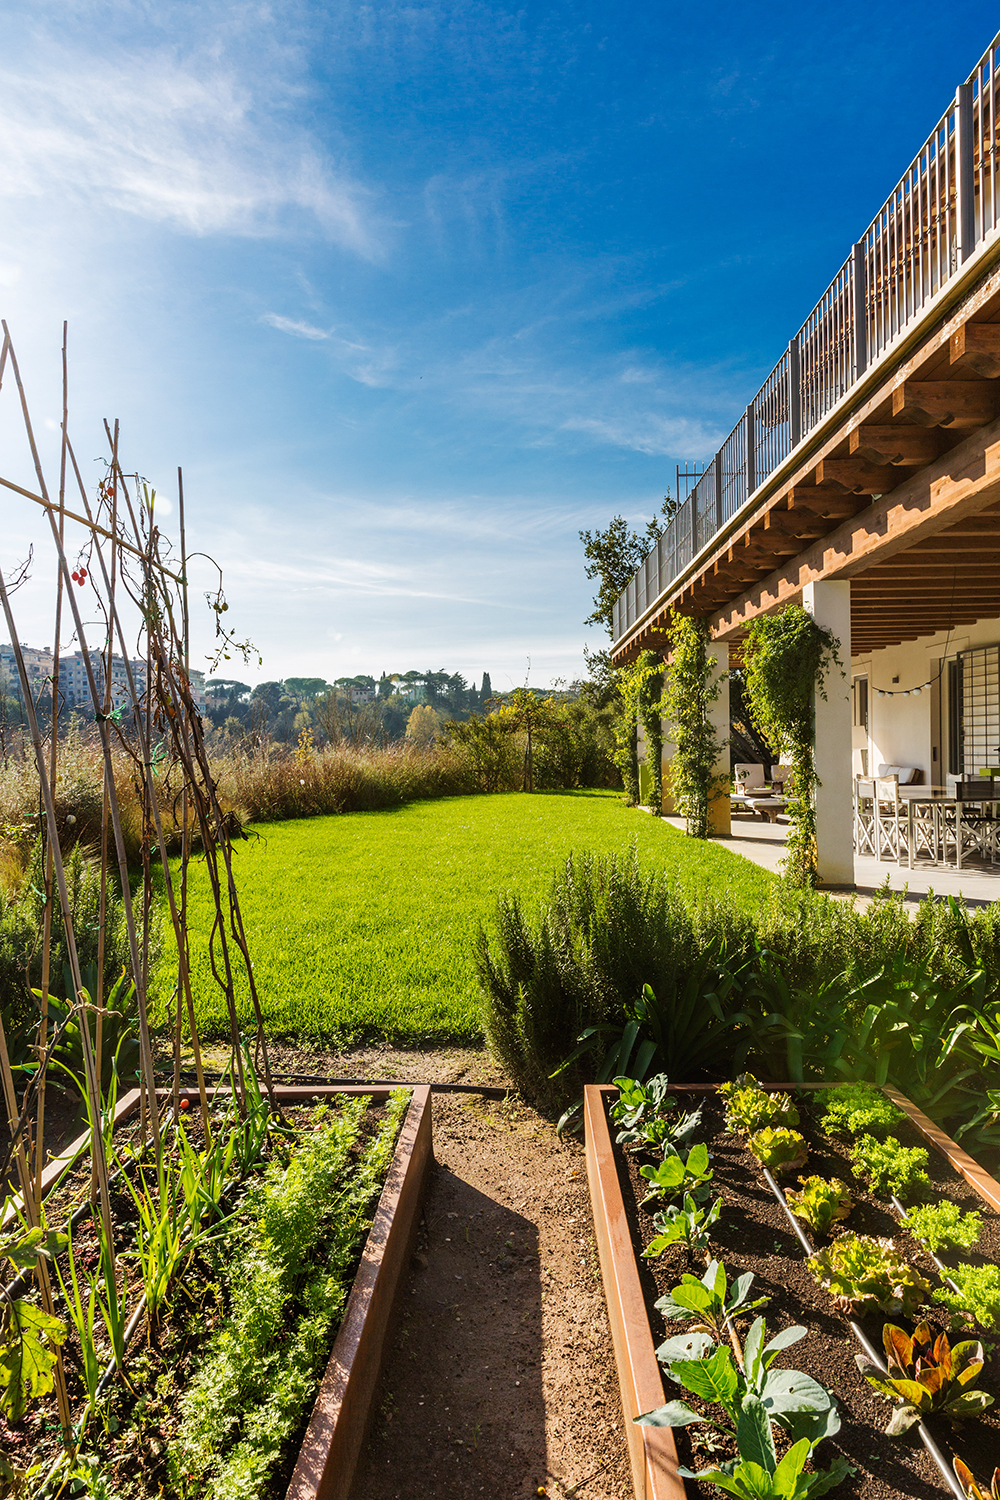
<point x="690" y="1224"/>
<point x="680" y="1174"/>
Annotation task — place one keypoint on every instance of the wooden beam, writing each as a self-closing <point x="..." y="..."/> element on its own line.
<point x="976" y="347"/>
<point x="858" y="476"/>
<point x="945" y="403"/>
<point x="899" y="444"/>
<point x="826" y="502"/>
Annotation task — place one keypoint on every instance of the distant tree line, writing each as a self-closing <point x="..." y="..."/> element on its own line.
<point x="358" y="710"/>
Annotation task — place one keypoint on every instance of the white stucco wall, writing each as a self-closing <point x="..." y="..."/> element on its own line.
<point x="912" y="731"/>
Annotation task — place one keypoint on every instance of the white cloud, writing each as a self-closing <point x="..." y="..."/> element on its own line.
<point x="290" y="325"/>
<point x="188" y="144"/>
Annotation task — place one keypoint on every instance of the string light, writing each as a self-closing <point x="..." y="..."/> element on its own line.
<point x="901" y="692"/>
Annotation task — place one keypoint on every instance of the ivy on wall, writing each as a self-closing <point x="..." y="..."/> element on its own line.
<point x="624" y="732"/>
<point x="786" y="659"/>
<point x="693" y="685"/>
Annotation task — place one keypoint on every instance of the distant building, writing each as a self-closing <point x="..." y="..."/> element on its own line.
<point x="37" y="663"/>
<point x="74" y="687"/>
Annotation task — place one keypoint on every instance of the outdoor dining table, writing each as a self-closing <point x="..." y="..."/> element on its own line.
<point x="940" y="798"/>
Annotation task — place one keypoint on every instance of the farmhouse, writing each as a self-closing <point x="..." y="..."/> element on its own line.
<point x="863" y="482"/>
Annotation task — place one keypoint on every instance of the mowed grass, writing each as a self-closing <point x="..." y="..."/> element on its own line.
<point x="362" y="926"/>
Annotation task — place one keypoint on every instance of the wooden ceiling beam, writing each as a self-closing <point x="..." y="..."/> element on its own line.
<point x="945" y="403"/>
<point x="858" y="476"/>
<point x="899" y="444"/>
<point x="975" y="347"/>
<point x="833" y="503"/>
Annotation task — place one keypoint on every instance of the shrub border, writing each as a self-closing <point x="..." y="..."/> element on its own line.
<point x="652" y="1450"/>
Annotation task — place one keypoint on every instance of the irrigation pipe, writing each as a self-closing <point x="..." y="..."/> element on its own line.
<point x="933" y="1450"/>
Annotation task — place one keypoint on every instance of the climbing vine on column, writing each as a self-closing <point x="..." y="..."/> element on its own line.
<point x="649" y="695"/>
<point x="786" y="660"/>
<point x="624" y="731"/>
<point x="693" y="685"/>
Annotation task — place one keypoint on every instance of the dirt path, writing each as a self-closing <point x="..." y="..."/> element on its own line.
<point x="501" y="1381"/>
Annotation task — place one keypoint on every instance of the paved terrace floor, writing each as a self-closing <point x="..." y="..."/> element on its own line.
<point x="764" y="843"/>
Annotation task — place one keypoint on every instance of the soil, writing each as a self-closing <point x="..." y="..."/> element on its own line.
<point x="753" y="1234"/>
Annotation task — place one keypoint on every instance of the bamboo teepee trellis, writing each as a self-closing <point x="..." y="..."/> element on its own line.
<point x="137" y="585"/>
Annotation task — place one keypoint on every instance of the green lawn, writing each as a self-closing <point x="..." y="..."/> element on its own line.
<point x="362" y="925"/>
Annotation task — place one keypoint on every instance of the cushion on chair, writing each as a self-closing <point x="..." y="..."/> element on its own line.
<point x="905" y="775"/>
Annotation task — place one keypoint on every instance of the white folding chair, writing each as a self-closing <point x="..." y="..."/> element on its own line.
<point x="864" y="817"/>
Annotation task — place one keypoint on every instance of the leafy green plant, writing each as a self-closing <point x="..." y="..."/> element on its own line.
<point x="679" y="1174"/>
<point x="821" y="1202"/>
<point x="786" y="660"/>
<point x="978" y="1295"/>
<point x="750" y="1108"/>
<point x="29" y="1337"/>
<point x="761" y="1476"/>
<point x="709" y="1301"/>
<point x="638" y="1101"/>
<point x="795" y="1401"/>
<point x="783" y="1150"/>
<point x="927" y="1377"/>
<point x="971" y="1489"/>
<point x="862" y="1273"/>
<point x="694" y="683"/>
<point x="304" y="1222"/>
<point x="943" y="1226"/>
<point x="858" y="1108"/>
<point x="689" y="1224"/>
<point x="889" y="1167"/>
<point x="660" y="1132"/>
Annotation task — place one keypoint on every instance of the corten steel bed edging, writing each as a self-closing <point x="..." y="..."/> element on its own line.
<point x="652" y="1450"/>
<point x="338" y="1426"/>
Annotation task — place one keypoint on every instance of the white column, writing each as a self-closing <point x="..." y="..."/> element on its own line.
<point x="719" y="822"/>
<point x="829" y="603"/>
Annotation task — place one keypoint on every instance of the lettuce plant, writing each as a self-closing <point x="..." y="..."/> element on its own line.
<point x="971" y="1489"/>
<point x="978" y="1295"/>
<point x="749" y="1107"/>
<point x="709" y="1300"/>
<point x="821" y="1203"/>
<point x="943" y="1226"/>
<point x="859" y="1108"/>
<point x="680" y="1174"/>
<point x="690" y="1224"/>
<point x="927" y="1377"/>
<point x="889" y="1167"/>
<point x="862" y="1273"/>
<point x="781" y="1149"/>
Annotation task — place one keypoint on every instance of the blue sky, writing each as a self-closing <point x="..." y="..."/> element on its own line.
<point x="415" y="291"/>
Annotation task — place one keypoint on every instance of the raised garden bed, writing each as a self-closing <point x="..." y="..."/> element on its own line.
<point x="756" y="1234"/>
<point x="134" y="1450"/>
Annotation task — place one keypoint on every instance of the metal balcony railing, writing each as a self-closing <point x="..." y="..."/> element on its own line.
<point x="944" y="207"/>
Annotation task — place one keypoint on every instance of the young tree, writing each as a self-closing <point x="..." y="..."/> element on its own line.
<point x="615" y="554"/>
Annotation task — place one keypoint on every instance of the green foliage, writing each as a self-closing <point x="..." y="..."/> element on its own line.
<point x="858" y="1107"/>
<point x="615" y="554"/>
<point x="660" y="1132"/>
<point x="749" y="1107"/>
<point x="751" y="1479"/>
<point x="978" y="1295"/>
<point x="782" y="1150"/>
<point x="889" y="1167"/>
<point x="487" y="751"/>
<point x="689" y="1224"/>
<point x="709" y="1301"/>
<point x="943" y="1226"/>
<point x="786" y="659"/>
<point x="927" y="1377"/>
<point x="752" y="1393"/>
<point x="617" y="955"/>
<point x="304" y="1223"/>
<point x="694" y="683"/>
<point x="639" y="1102"/>
<point x="649" y="692"/>
<point x="679" y="1174"/>
<point x="29" y="1337"/>
<point x="821" y="1203"/>
<point x="862" y="1273"/>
